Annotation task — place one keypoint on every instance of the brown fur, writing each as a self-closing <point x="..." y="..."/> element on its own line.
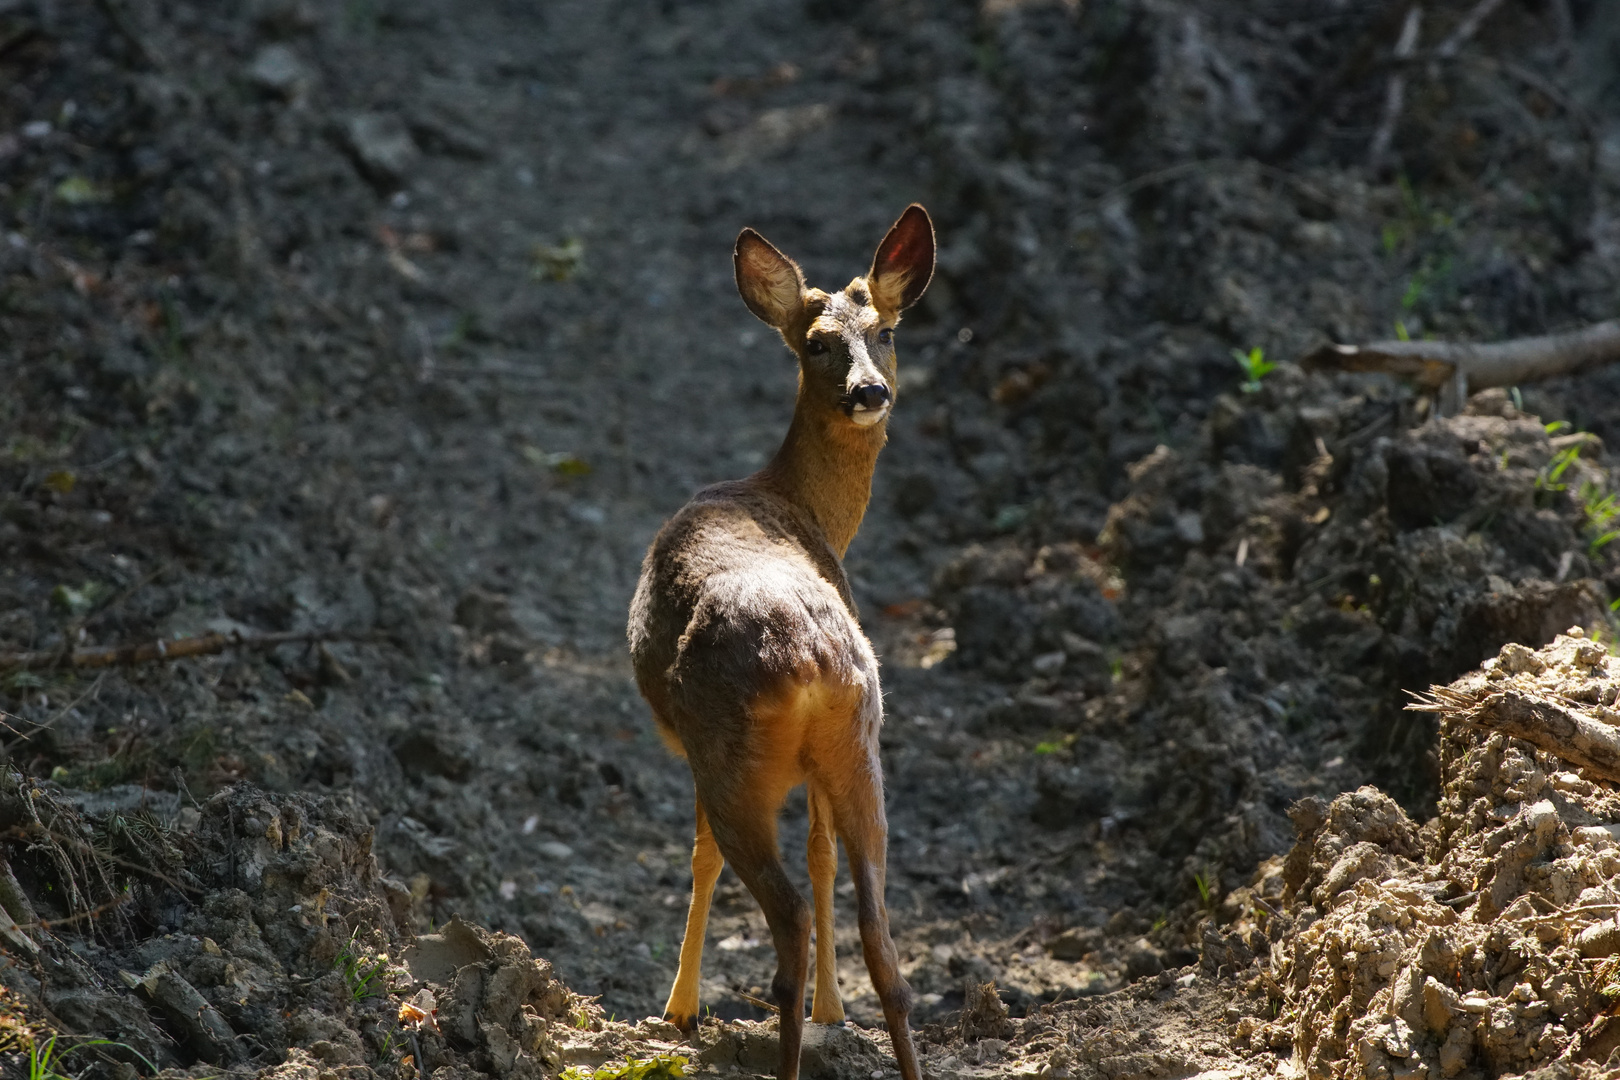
<point x="746" y="643"/>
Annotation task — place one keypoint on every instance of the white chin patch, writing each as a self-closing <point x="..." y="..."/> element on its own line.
<point x="868" y="417"/>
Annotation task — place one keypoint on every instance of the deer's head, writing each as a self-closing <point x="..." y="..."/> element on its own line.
<point x="844" y="340"/>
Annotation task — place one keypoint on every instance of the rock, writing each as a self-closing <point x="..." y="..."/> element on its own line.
<point x="277" y="70"/>
<point x="483" y="612"/>
<point x="1143" y="959"/>
<point x="381" y="146"/>
<point x="1074" y="944"/>
<point x="439" y="132"/>
<point x="1599" y="939"/>
<point x="429" y="753"/>
<point x="205" y="1030"/>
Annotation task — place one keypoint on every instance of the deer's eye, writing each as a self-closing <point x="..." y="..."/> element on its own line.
<point x="815" y="346"/>
<point x="885" y="335"/>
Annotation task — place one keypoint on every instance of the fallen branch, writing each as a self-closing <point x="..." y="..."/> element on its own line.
<point x="149" y="651"/>
<point x="1433" y="364"/>
<point x="1580" y="739"/>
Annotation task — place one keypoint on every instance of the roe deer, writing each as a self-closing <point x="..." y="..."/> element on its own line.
<point x="745" y="642"/>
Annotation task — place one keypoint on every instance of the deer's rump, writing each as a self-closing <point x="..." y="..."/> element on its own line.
<point x="739" y="644"/>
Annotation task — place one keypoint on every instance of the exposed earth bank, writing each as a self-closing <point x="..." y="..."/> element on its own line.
<point x="396" y="328"/>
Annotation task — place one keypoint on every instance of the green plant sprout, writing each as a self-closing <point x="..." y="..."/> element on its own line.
<point x="1550" y="478"/>
<point x="359" y="971"/>
<point x="657" y="1067"/>
<point x="42" y="1059"/>
<point x="1255" y="367"/>
<point x="45" y="1058"/>
<point x="1601" y="511"/>
<point x="1206" y="891"/>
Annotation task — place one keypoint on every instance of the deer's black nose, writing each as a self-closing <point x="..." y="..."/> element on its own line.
<point x="870" y="396"/>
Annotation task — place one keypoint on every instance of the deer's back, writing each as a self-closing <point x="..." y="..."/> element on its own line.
<point x="740" y="597"/>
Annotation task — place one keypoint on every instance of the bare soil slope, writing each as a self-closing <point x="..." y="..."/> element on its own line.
<point x="404" y="324"/>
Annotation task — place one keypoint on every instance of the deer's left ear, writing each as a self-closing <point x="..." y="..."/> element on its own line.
<point x="904" y="263"/>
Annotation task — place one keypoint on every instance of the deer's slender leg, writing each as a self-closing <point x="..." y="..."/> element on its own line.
<point x="827" y="1007"/>
<point x="865" y="831"/>
<point x="682" y="1009"/>
<point x="745" y="829"/>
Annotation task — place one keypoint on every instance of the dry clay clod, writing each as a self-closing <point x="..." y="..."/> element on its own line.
<point x="1481" y="942"/>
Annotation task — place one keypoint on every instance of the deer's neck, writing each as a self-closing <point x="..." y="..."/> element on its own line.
<point x="825" y="466"/>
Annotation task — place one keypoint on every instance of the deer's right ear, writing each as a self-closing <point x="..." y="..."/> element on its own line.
<point x="771" y="283"/>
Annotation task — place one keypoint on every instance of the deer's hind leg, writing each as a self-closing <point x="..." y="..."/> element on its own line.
<point x="858" y="808"/>
<point x="745" y="830"/>
<point x="682" y="1008"/>
<point x="827" y="1007"/>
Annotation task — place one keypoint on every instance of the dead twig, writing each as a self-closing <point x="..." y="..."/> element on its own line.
<point x="1465" y="30"/>
<point x="1395" y="90"/>
<point x="48" y="925"/>
<point x="1356" y="63"/>
<point x="1579" y="739"/>
<point x="23" y="736"/>
<point x="36" y="832"/>
<point x="758" y="1003"/>
<point x="1434" y="364"/>
<point x="159" y="650"/>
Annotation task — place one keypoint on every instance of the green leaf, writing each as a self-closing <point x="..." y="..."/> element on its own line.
<point x="80" y="191"/>
<point x="1255" y="366"/>
<point x="77" y="601"/>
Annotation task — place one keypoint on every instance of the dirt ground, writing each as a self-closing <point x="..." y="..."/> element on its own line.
<point x="404" y="324"/>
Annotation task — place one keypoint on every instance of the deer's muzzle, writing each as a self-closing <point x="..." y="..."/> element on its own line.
<point x="868" y="403"/>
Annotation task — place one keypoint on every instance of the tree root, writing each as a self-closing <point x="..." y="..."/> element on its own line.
<point x="1454" y="370"/>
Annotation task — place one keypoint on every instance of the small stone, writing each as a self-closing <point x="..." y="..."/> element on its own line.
<point x="1048" y="663"/>
<point x="1542" y="818"/>
<point x="1074" y="944"/>
<point x="277" y="70"/>
<point x="1599" y="939"/>
<point x="382" y="147"/>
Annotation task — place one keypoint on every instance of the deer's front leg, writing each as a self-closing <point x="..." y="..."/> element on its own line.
<point x="828" y="1006"/>
<point x="682" y="1008"/>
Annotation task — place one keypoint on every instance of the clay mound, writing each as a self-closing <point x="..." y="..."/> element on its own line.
<point x="1485" y="942"/>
